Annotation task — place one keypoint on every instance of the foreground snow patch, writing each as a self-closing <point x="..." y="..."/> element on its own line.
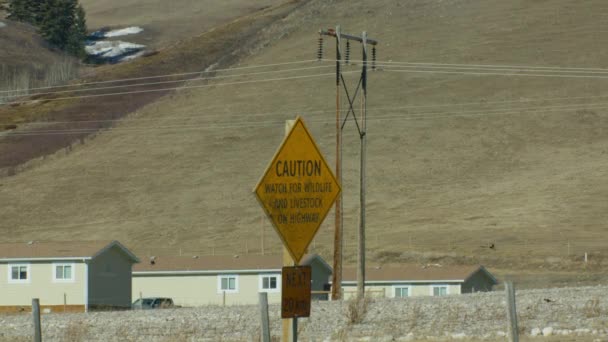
<point x="123" y="32"/>
<point x="111" y="49"/>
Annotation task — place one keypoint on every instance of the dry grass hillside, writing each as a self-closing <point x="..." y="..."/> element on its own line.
<point x="164" y="22"/>
<point x="26" y="60"/>
<point x="455" y="161"/>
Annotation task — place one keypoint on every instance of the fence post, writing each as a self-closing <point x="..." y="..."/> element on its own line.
<point x="36" y="316"/>
<point x="511" y="312"/>
<point x="65" y="302"/>
<point x="264" y="315"/>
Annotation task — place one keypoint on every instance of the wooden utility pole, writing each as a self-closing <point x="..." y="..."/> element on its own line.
<point x="288" y="261"/>
<point x="361" y="126"/>
<point x="336" y="288"/>
<point x="361" y="251"/>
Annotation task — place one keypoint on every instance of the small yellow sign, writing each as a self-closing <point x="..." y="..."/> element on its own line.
<point x="297" y="190"/>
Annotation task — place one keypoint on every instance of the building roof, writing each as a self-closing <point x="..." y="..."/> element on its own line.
<point x="213" y="264"/>
<point x="58" y="250"/>
<point x="415" y="273"/>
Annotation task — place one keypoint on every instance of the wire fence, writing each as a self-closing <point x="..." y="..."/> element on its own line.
<point x="575" y="314"/>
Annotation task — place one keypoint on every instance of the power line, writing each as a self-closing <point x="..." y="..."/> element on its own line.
<point x="167" y="82"/>
<point x="252" y="124"/>
<point x="387" y="63"/>
<point x="177" y="88"/>
<point x="163" y="76"/>
<point x="316" y="111"/>
<point x="482" y="66"/>
<point x="490" y="73"/>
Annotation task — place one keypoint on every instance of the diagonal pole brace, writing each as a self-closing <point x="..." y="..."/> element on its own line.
<point x="351" y="101"/>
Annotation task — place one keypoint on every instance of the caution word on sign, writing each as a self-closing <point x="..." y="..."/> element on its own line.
<point x="297" y="190"/>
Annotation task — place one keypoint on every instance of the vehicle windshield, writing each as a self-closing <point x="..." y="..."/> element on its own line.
<point x="144" y="301"/>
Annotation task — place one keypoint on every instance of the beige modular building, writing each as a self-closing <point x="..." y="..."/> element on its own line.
<point x="413" y="280"/>
<point x="219" y="280"/>
<point x="65" y="276"/>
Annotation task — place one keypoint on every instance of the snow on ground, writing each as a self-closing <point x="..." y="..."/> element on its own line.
<point x="2" y="24"/>
<point x="112" y="49"/>
<point x="132" y="56"/>
<point x="105" y="33"/>
<point x="123" y="32"/>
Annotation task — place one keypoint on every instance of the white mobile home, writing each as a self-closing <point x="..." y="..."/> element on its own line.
<point x="196" y="281"/>
<point x="414" y="280"/>
<point x="65" y="276"/>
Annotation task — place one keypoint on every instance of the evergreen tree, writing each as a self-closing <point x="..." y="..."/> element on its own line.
<point x="78" y="34"/>
<point x="57" y="20"/>
<point x="35" y="9"/>
<point x="18" y="10"/>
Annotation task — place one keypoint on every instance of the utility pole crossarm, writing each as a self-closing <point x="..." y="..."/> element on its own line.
<point x="332" y="33"/>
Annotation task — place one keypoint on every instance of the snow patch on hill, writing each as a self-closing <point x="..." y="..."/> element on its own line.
<point x="123" y="32"/>
<point x="2" y="24"/>
<point x="102" y="48"/>
<point x="112" y="49"/>
<point x="107" y="33"/>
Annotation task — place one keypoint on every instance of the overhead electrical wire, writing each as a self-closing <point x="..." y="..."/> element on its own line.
<point x="494" y="66"/>
<point x="480" y="68"/>
<point x="177" y="88"/>
<point x="225" y="114"/>
<point x="161" y="76"/>
<point x="167" y="82"/>
<point x="251" y="124"/>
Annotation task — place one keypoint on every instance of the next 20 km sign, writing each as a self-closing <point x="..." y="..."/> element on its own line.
<point x="297" y="190"/>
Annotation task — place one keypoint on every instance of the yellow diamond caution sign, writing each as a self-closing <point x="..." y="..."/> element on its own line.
<point x="297" y="190"/>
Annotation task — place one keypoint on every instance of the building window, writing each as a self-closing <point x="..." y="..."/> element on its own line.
<point x="439" y="290"/>
<point x="269" y="283"/>
<point x="228" y="283"/>
<point x="401" y="291"/>
<point x="19" y="273"/>
<point x="63" y="272"/>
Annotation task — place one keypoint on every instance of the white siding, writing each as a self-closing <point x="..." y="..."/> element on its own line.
<point x="386" y="290"/>
<point x="41" y="284"/>
<point x="198" y="290"/>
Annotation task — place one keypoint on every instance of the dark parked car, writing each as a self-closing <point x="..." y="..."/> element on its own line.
<point x="152" y="303"/>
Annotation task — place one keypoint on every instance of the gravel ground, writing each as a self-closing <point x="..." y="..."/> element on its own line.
<point x="568" y="313"/>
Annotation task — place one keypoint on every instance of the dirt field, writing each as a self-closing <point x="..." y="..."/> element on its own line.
<point x="445" y="179"/>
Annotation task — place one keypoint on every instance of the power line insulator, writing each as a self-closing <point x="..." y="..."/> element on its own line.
<point x="374" y="58"/>
<point x="347" y="59"/>
<point x="320" y="49"/>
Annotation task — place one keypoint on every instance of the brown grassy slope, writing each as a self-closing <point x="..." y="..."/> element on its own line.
<point x="180" y="174"/>
<point x="87" y="109"/>
<point x="22" y="47"/>
<point x="165" y="22"/>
